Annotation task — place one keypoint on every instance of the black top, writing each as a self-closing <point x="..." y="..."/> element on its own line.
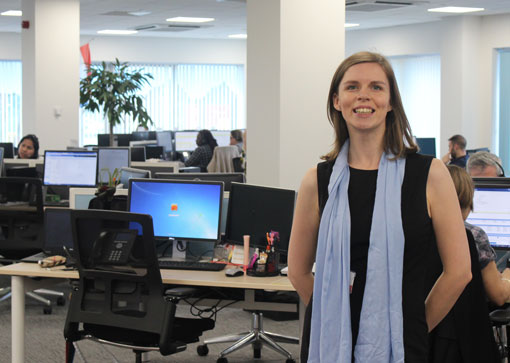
<point x="419" y="236"/>
<point x="462" y="161"/>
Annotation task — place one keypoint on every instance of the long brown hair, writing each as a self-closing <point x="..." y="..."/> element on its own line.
<point x="398" y="136"/>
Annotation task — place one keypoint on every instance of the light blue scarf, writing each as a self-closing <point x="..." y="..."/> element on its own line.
<point x="380" y="337"/>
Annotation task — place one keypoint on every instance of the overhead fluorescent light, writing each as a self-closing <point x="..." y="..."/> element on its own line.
<point x="117" y="32"/>
<point x="238" y="36"/>
<point x="139" y="13"/>
<point x="12" y="13"/>
<point x="350" y="25"/>
<point x="455" y="10"/>
<point x="184" y="19"/>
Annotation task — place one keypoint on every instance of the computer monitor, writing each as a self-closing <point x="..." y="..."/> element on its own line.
<point x="491" y="210"/>
<point x="137" y="153"/>
<point x="427" y="145"/>
<point x="226" y="178"/>
<point x="222" y="137"/>
<point x="182" y="210"/>
<point x="70" y="168"/>
<point x="22" y="172"/>
<point x="154" y="152"/>
<point x="132" y="173"/>
<point x="143" y="135"/>
<point x="166" y="140"/>
<point x="123" y="139"/>
<point x="474" y="151"/>
<point x="8" y="149"/>
<point x="256" y="210"/>
<point x="185" y="140"/>
<point x="111" y="158"/>
<point x="57" y="231"/>
<point x="103" y="139"/>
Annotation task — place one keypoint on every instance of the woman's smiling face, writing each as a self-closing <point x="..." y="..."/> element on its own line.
<point x="363" y="98"/>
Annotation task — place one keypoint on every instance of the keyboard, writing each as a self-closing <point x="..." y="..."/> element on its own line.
<point x="190" y="265"/>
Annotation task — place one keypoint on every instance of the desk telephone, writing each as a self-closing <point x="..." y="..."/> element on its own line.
<point x="113" y="247"/>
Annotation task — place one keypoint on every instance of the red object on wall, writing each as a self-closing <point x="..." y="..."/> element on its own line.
<point x="25" y="24"/>
<point x="85" y="53"/>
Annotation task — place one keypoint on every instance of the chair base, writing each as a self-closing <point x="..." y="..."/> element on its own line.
<point x="257" y="337"/>
<point x="5" y="294"/>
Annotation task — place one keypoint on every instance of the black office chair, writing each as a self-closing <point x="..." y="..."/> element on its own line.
<point x="120" y="299"/>
<point x="21" y="227"/>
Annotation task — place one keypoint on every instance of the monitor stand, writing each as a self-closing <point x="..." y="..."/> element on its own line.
<point x="179" y="250"/>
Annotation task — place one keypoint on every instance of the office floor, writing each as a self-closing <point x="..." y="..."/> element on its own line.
<point x="45" y="342"/>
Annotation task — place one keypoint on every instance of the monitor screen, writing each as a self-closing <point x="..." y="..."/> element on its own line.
<point x="70" y="168"/>
<point x="184" y="210"/>
<point x="1" y="161"/>
<point x="131" y="173"/>
<point x="226" y="178"/>
<point x="256" y="210"/>
<point x="137" y="153"/>
<point x="222" y="137"/>
<point x="123" y="139"/>
<point x="143" y="135"/>
<point x="110" y="158"/>
<point x="185" y="140"/>
<point x="103" y="139"/>
<point x="491" y="212"/>
<point x="57" y="230"/>
<point x="165" y="139"/>
<point x="427" y="145"/>
<point x="154" y="152"/>
<point x="8" y="149"/>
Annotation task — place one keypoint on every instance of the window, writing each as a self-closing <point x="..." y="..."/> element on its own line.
<point x="503" y="107"/>
<point x="419" y="82"/>
<point x="182" y="97"/>
<point x="10" y="101"/>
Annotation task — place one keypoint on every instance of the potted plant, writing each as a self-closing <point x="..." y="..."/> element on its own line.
<point x="112" y="89"/>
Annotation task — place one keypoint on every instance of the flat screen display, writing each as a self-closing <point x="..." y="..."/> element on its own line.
<point x="222" y="137"/>
<point x="70" y="168"/>
<point x="185" y="140"/>
<point x="165" y="139"/>
<point x="183" y="210"/>
<point x="256" y="210"/>
<point x="491" y="212"/>
<point x="111" y="159"/>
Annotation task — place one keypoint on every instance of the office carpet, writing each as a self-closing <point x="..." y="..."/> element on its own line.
<point x="44" y="340"/>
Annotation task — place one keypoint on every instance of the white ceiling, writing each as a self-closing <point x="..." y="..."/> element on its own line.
<point x="230" y="15"/>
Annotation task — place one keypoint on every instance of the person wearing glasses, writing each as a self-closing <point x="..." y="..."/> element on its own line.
<point x="485" y="164"/>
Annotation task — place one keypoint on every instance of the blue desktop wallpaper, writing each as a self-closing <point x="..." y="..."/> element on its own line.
<point x="179" y="210"/>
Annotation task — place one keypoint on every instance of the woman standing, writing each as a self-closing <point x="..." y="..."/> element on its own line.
<point x="367" y="216"/>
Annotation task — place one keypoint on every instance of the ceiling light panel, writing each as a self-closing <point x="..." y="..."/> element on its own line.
<point x="184" y="19"/>
<point x="455" y="10"/>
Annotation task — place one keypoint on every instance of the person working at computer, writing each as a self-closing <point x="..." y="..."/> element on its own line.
<point x="485" y="164"/>
<point x="456" y="154"/>
<point x="236" y="138"/>
<point x="204" y="151"/>
<point x="366" y="216"/>
<point x="28" y="147"/>
<point x="497" y="285"/>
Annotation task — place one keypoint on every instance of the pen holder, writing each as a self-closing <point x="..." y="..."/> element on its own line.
<point x="270" y="268"/>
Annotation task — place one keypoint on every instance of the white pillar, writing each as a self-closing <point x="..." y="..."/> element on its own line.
<point x="293" y="49"/>
<point x="50" y="57"/>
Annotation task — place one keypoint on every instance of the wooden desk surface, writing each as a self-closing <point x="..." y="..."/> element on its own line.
<point x="177" y="277"/>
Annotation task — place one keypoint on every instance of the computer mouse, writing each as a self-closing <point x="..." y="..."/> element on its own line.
<point x="234" y="271"/>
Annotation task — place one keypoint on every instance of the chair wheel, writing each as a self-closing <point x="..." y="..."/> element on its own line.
<point x="290" y="360"/>
<point x="222" y="360"/>
<point x="256" y="352"/>
<point x="61" y="301"/>
<point x="47" y="310"/>
<point x="202" y="350"/>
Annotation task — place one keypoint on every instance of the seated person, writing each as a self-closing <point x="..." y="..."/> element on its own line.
<point x="456" y="154"/>
<point x="497" y="285"/>
<point x="484" y="164"/>
<point x="28" y="147"/>
<point x="236" y="138"/>
<point x="204" y="151"/>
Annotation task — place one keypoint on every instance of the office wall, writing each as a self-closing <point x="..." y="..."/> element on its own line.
<point x="468" y="66"/>
<point x="10" y="46"/>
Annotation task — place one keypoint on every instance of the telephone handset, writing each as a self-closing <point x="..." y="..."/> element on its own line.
<point x="113" y="247"/>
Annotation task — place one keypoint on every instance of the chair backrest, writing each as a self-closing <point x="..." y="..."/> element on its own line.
<point x="21" y="217"/>
<point x="221" y="161"/>
<point x="120" y="283"/>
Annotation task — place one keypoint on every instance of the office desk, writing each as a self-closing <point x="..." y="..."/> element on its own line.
<point x="21" y="281"/>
